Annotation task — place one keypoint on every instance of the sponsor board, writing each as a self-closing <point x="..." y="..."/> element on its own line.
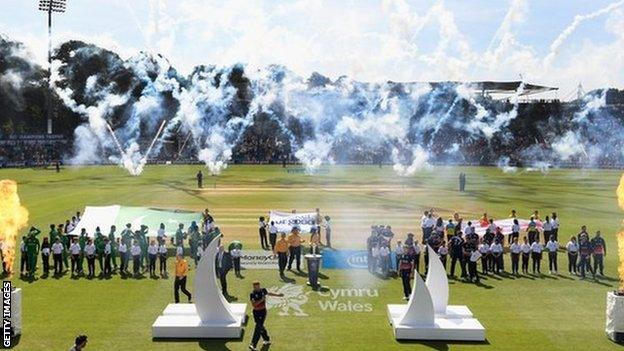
<point x="296" y="301"/>
<point x="349" y="259"/>
<point x="258" y="259"/>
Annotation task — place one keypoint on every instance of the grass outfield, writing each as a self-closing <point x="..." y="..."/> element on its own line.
<point x="546" y="313"/>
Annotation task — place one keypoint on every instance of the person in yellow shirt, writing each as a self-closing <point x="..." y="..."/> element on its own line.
<point x="181" y="270"/>
<point x="294" y="242"/>
<point x="281" y="250"/>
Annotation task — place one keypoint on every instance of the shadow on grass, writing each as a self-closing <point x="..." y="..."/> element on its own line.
<point x="443" y="345"/>
<point x="206" y="344"/>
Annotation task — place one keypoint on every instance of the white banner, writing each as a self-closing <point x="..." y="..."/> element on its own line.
<point x="258" y="259"/>
<point x="285" y="221"/>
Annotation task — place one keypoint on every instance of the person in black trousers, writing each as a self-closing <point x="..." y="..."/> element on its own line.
<point x="456" y="244"/>
<point x="258" y="303"/>
<point x="406" y="268"/>
<point x="223" y="262"/>
<point x="262" y="230"/>
<point x="181" y="269"/>
<point x="45" y="255"/>
<point x="200" y="179"/>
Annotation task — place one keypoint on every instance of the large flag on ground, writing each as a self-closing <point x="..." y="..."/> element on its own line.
<point x="105" y="216"/>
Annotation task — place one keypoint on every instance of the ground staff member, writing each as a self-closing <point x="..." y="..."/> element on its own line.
<point x="281" y="250"/>
<point x="181" y="270"/>
<point x="294" y="242"/>
<point x="258" y="303"/>
<point x="45" y="255"/>
<point x="272" y="235"/>
<point x="406" y="267"/>
<point x="572" y="248"/>
<point x="552" y="246"/>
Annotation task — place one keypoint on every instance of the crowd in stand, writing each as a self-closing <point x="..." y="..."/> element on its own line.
<point x="456" y="244"/>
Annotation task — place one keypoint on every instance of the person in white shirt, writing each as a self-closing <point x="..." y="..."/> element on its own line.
<point x="123" y="255"/>
<point x="552" y="246"/>
<point x="515" y="232"/>
<point x="497" y="257"/>
<point x="515" y="256"/>
<point x="536" y="256"/>
<point x="429" y="225"/>
<point x="384" y="259"/>
<point x="398" y="251"/>
<point x="475" y="255"/>
<point x="443" y="253"/>
<point x="262" y="229"/>
<point x="525" y="252"/>
<point x="135" y="251"/>
<point x="162" y="254"/>
<point x="180" y="251"/>
<point x="573" y="249"/>
<point x="485" y="251"/>
<point x="90" y="254"/>
<point x="555" y="225"/>
<point x="152" y="255"/>
<point x="45" y="256"/>
<point x="423" y="224"/>
<point x="160" y="234"/>
<point x="272" y="235"/>
<point x="74" y="250"/>
<point x="236" y="254"/>
<point x="57" y="256"/>
<point x="547" y="229"/>
<point x="108" y="253"/>
<point x="375" y="258"/>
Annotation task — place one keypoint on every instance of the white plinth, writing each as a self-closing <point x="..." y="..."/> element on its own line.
<point x="615" y="317"/>
<point x="191" y="326"/>
<point x="452" y="311"/>
<point x="456" y="329"/>
<point x="16" y="311"/>
<point x="238" y="309"/>
<point x="427" y="318"/>
<point x="211" y="316"/>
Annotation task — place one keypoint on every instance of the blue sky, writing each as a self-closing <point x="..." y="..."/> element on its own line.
<point x="365" y="39"/>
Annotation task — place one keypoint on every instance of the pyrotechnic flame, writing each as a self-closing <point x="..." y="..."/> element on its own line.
<point x="620" y="236"/>
<point x="13" y="217"/>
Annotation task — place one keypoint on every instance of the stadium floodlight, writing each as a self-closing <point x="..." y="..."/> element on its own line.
<point x="50" y="6"/>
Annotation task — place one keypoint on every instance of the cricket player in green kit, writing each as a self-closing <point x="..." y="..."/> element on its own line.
<point x="99" y="248"/>
<point x="53" y="234"/>
<point x="126" y="238"/>
<point x="113" y="243"/>
<point x="65" y="241"/>
<point x="82" y="242"/>
<point x="142" y="239"/>
<point x="32" y="249"/>
<point x="179" y="236"/>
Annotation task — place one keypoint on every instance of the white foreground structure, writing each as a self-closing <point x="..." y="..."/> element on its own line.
<point x="211" y="316"/>
<point x="427" y="315"/>
<point x="16" y="311"/>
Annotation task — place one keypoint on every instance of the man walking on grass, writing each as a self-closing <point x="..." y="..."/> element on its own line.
<point x="258" y="303"/>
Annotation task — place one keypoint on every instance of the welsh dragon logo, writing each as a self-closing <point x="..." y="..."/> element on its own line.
<point x="291" y="302"/>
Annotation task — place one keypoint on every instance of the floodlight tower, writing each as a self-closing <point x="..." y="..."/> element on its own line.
<point x="50" y="6"/>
